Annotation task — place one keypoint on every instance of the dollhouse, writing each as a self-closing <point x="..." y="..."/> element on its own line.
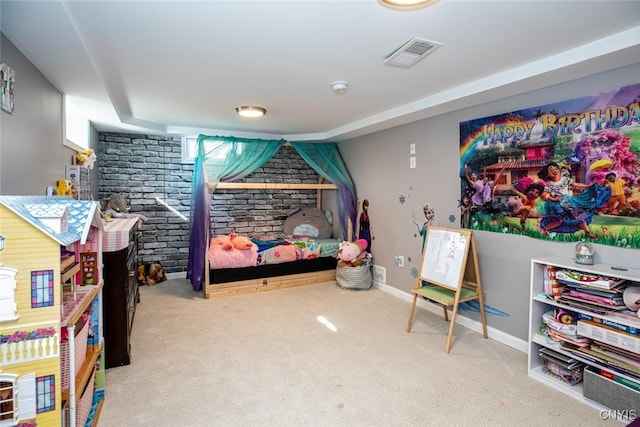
<point x="51" y="370"/>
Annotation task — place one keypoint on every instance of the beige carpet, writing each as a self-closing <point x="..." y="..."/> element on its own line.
<point x="266" y="360"/>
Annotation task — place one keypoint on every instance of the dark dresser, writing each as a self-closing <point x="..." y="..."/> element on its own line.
<point x="120" y="292"/>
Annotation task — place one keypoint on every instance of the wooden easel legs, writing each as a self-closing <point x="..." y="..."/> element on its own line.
<point x="483" y="318"/>
<point x="413" y="309"/>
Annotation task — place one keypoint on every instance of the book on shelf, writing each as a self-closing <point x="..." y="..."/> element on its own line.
<point x="586" y="279"/>
<point x="585" y="305"/>
<point x="633" y="329"/>
<point x="602" y="360"/>
<point x="618" y="354"/>
<point x="562" y="360"/>
<point x="609" y="336"/>
<point x="608" y="301"/>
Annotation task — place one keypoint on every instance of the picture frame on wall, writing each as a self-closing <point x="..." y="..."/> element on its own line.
<point x="7" y="82"/>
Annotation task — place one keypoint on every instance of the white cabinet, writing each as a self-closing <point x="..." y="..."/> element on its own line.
<point x="598" y="378"/>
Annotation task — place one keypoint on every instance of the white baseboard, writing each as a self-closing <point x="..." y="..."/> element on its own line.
<point x="474" y="325"/>
<point x="178" y="275"/>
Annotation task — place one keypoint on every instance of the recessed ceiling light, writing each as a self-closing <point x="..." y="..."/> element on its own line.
<point x="406" y="3"/>
<point x="251" y="111"/>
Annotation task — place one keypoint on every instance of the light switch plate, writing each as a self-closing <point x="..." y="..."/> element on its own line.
<point x="412" y="162"/>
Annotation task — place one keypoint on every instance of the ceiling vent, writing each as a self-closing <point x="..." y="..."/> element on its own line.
<point x="411" y="52"/>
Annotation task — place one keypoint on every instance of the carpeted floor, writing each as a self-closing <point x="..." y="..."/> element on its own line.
<point x="319" y="356"/>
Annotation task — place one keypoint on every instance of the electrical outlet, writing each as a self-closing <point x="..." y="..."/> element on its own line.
<point x="412" y="162"/>
<point x="399" y="260"/>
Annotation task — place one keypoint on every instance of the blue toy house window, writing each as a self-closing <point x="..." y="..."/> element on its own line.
<point x="41" y="288"/>
<point x="46" y="393"/>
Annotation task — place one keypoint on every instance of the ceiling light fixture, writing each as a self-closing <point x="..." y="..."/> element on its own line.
<point x="251" y="111"/>
<point x="339" y="87"/>
<point x="406" y="3"/>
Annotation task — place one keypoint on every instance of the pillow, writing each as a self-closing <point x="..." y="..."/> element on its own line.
<point x="310" y="222"/>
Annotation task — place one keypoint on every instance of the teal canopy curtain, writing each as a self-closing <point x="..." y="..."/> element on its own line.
<point x="223" y="159"/>
<point x="229" y="158"/>
<point x="199" y="222"/>
<point x="219" y="159"/>
<point x="325" y="159"/>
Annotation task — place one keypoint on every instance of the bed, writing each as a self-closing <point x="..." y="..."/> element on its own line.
<point x="272" y="262"/>
<point x="298" y="259"/>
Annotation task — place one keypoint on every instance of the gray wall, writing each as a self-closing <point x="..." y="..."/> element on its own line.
<point x="32" y="156"/>
<point x="379" y="165"/>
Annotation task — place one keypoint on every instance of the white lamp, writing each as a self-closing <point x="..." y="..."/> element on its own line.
<point x="251" y="111"/>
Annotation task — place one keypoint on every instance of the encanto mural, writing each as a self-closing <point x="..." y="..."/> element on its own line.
<point x="567" y="171"/>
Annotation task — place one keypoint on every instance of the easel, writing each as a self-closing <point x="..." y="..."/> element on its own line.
<point x="453" y="276"/>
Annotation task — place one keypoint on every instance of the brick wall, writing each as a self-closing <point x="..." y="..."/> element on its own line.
<point x="147" y="170"/>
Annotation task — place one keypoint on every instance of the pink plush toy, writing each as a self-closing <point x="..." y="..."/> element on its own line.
<point x="232" y="241"/>
<point x="240" y="242"/>
<point x="224" y="241"/>
<point x="350" y="254"/>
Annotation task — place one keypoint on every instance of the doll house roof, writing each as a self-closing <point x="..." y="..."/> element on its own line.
<point x="39" y="211"/>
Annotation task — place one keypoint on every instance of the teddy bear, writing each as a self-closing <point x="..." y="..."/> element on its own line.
<point x="156" y="274"/>
<point x="350" y="254"/>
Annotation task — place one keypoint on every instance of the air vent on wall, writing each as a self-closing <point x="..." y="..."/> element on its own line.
<point x="411" y="52"/>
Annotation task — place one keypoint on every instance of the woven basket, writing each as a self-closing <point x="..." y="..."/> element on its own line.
<point x="358" y="277"/>
<point x="80" y="351"/>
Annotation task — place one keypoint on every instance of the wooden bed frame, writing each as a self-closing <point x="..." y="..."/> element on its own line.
<point x="275" y="282"/>
<point x="265" y="283"/>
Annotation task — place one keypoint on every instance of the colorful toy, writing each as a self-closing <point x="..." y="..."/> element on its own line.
<point x="64" y="188"/>
<point x="86" y="158"/>
<point x="350" y="254"/>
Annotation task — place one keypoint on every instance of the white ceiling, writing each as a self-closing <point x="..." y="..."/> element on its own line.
<point x="181" y="67"/>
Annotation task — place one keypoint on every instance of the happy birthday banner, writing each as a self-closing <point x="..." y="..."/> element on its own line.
<point x="566" y="171"/>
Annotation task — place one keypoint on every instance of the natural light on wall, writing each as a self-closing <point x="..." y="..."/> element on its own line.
<point x="76" y="129"/>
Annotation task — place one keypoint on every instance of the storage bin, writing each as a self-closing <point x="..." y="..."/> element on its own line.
<point x="359" y="277"/>
<point x="80" y="352"/>
<point x="610" y="393"/>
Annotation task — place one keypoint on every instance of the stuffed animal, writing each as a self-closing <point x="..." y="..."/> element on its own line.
<point x="156" y="274"/>
<point x="241" y="242"/>
<point x="350" y="254"/>
<point x="224" y="241"/>
<point x="64" y="188"/>
<point x="115" y="202"/>
<point x="231" y="241"/>
<point x="86" y="158"/>
<point x="310" y="222"/>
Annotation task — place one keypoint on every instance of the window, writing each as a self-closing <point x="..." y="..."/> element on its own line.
<point x="8" y="307"/>
<point x="46" y="393"/>
<point x="76" y="126"/>
<point x="17" y="398"/>
<point x="41" y="288"/>
<point x="189" y="149"/>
